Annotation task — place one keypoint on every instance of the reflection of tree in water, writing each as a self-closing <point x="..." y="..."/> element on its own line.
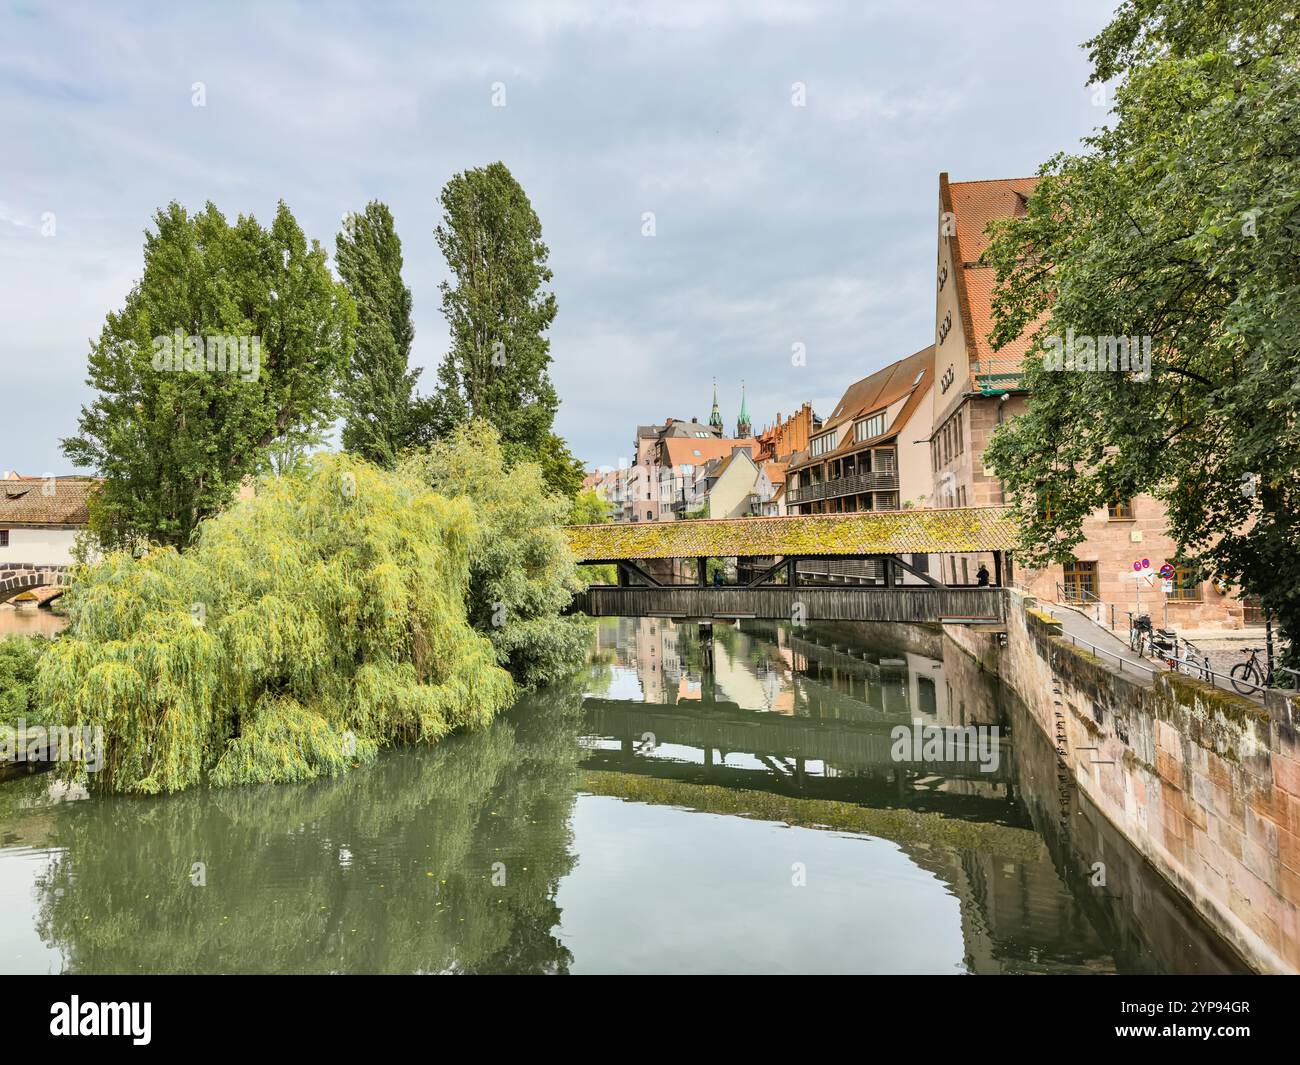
<point x="388" y="869"/>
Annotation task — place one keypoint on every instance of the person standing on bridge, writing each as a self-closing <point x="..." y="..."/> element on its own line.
<point x="982" y="576"/>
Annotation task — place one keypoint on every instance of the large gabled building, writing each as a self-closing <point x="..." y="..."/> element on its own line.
<point x="977" y="388"/>
<point x="870" y="453"/>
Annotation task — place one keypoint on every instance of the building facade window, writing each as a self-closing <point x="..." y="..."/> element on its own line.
<point x="1120" y="509"/>
<point x="822" y="444"/>
<point x="1080" y="577"/>
<point x="1186" y="585"/>
<point x="4" y="537"/>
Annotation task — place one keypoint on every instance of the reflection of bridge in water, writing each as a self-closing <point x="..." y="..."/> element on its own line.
<point x="1027" y="899"/>
<point x="792" y="756"/>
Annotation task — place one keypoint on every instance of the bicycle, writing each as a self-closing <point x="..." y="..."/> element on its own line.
<point x="1139" y="633"/>
<point x="1150" y="642"/>
<point x="1251" y="676"/>
<point x="1191" y="661"/>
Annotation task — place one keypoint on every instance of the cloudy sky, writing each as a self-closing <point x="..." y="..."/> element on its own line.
<point x="774" y="224"/>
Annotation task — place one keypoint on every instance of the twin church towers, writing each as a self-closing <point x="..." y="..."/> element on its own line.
<point x="744" y="430"/>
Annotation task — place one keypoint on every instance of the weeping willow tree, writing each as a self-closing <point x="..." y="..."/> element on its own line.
<point x="522" y="572"/>
<point x="305" y="629"/>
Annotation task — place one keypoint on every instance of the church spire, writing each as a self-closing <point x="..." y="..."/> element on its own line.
<point x="715" y="418"/>
<point x="743" y="425"/>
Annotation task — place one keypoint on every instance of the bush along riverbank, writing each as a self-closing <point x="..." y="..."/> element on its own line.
<point x="304" y="629"/>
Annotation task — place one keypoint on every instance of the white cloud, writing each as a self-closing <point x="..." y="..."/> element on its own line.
<point x="775" y="223"/>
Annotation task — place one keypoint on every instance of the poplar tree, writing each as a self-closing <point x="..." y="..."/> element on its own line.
<point x="498" y="311"/>
<point x="378" y="384"/>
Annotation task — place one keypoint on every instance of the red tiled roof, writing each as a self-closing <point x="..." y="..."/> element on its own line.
<point x="693" y="451"/>
<point x="975" y="204"/>
<point x="908" y="377"/>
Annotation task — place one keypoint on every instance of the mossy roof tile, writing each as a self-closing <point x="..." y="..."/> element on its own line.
<point x="872" y="533"/>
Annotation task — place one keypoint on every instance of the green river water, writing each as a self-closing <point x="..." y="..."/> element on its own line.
<point x="680" y="807"/>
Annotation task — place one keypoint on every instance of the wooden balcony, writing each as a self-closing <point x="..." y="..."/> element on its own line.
<point x="855" y="484"/>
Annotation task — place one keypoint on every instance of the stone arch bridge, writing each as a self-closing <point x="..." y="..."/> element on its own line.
<point x="48" y="582"/>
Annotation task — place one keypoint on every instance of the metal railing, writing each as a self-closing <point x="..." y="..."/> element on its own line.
<point x="1081" y="597"/>
<point x="1199" y="669"/>
<point x="1103" y="651"/>
<point x="997" y="374"/>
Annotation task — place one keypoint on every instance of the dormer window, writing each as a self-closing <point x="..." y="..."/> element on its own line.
<point x="869" y="427"/>
<point x="822" y="444"/>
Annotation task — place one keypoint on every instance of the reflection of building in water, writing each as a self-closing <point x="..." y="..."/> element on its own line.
<point x="812" y="671"/>
<point x="743" y="670"/>
<point x="896" y="684"/>
<point x="649" y="648"/>
<point x="747" y="676"/>
<point x="797" y="726"/>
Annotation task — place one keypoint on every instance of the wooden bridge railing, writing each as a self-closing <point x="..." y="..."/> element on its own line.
<point x="899" y="604"/>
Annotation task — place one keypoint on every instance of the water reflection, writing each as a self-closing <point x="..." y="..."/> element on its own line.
<point x="655" y="816"/>
<point x="793" y="725"/>
<point x="430" y="861"/>
<point x="27" y="620"/>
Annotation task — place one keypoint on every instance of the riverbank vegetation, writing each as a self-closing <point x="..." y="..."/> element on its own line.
<point x="19" y="658"/>
<point x="386" y="595"/>
<point x="522" y="572"/>
<point x="303" y="630"/>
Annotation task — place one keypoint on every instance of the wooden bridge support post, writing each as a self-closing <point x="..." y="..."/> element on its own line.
<point x="997" y="568"/>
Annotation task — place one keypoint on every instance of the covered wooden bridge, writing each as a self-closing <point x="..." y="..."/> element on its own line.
<point x="871" y="566"/>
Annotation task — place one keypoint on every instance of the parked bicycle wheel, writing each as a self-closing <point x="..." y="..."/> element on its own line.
<point x="1246" y="678"/>
<point x="1196" y="663"/>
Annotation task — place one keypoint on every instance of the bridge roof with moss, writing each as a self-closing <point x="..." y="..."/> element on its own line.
<point x="871" y="533"/>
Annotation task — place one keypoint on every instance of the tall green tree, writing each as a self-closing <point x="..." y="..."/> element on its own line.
<point x="1180" y="223"/>
<point x="378" y="385"/>
<point x="498" y="311"/>
<point x="234" y="337"/>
